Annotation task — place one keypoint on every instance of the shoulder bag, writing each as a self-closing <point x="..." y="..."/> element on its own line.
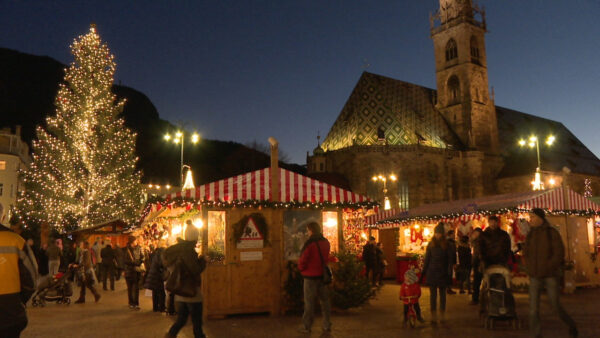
<point x="327" y="274"/>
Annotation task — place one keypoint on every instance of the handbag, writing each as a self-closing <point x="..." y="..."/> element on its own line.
<point x="180" y="281"/>
<point x="138" y="268"/>
<point x="327" y="274"/>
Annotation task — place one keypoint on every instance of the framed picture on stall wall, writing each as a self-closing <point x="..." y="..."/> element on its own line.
<point x="295" y="232"/>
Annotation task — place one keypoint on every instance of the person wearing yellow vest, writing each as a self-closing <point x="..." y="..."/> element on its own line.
<point x="17" y="280"/>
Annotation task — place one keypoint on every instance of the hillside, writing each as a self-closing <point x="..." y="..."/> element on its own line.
<point x="28" y="85"/>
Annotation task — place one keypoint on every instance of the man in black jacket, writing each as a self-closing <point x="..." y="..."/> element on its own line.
<point x="108" y="266"/>
<point x="494" y="244"/>
<point x="369" y="257"/>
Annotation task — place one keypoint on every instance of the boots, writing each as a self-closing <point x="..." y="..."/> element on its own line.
<point x="80" y="301"/>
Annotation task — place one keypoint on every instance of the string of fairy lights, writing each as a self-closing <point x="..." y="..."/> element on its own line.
<point x="83" y="171"/>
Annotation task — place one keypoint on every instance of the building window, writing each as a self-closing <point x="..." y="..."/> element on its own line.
<point x="403" y="195"/>
<point x="321" y="167"/>
<point x="453" y="90"/>
<point x="474" y="50"/>
<point x="2" y="165"/>
<point x="451" y="50"/>
<point x="1" y="188"/>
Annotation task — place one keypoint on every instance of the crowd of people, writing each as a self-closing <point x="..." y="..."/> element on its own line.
<point x="177" y="268"/>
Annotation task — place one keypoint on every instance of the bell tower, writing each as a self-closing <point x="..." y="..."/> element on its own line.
<point x="458" y="32"/>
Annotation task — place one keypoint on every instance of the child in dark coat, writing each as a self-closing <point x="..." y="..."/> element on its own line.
<point x="410" y="292"/>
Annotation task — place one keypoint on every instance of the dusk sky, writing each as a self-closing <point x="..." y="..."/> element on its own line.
<point x="247" y="70"/>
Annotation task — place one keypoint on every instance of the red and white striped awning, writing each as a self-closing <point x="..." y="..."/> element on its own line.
<point x="256" y="186"/>
<point x="466" y="210"/>
<point x="555" y="200"/>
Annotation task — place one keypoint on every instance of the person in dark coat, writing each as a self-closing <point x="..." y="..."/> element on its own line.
<point x="154" y="279"/>
<point x="133" y="260"/>
<point x="437" y="269"/>
<point x="120" y="260"/>
<point x="188" y="306"/>
<point x="544" y="256"/>
<point x="463" y="271"/>
<point x="42" y="260"/>
<point x="380" y="264"/>
<point x="369" y="256"/>
<point x="86" y="275"/>
<point x="476" y="265"/>
<point x="495" y="244"/>
<point x="108" y="266"/>
<point x="452" y="248"/>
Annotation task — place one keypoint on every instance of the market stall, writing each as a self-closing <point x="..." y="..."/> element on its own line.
<point x="574" y="215"/>
<point x="251" y="226"/>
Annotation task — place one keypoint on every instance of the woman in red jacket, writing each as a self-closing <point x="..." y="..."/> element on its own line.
<point x="315" y="253"/>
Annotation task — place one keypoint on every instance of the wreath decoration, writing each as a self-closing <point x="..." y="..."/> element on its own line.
<point x="259" y="221"/>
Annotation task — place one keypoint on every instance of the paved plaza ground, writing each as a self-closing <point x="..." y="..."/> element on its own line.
<point x="380" y="318"/>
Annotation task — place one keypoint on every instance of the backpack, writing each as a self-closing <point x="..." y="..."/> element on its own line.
<point x="180" y="281"/>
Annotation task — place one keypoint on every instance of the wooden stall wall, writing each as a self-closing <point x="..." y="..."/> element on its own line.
<point x="389" y="240"/>
<point x="248" y="280"/>
<point x="586" y="267"/>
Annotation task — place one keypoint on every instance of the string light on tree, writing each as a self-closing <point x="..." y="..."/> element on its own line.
<point x="83" y="171"/>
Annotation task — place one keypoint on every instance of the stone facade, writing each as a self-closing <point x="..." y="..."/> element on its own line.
<point x="445" y="144"/>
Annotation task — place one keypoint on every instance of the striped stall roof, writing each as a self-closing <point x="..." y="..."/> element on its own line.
<point x="466" y="210"/>
<point x="256" y="186"/>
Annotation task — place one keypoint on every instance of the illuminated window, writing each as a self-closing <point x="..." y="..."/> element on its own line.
<point x="330" y="228"/>
<point x="2" y="165"/>
<point x="216" y="236"/>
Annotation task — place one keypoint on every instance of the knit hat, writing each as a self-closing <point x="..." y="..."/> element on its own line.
<point x="191" y="234"/>
<point x="410" y="277"/>
<point x="439" y="229"/>
<point x="539" y="212"/>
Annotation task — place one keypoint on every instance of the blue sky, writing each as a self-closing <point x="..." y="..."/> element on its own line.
<point x="247" y="70"/>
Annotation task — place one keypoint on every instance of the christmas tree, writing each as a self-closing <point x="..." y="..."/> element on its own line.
<point x="83" y="171"/>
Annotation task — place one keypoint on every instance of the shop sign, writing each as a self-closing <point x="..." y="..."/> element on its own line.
<point x="251" y="237"/>
<point x="251" y="256"/>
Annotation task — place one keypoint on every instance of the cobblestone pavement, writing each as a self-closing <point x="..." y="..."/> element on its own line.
<point x="381" y="318"/>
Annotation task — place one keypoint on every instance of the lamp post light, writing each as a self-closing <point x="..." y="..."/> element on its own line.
<point x="179" y="138"/>
<point x="382" y="178"/>
<point x="533" y="141"/>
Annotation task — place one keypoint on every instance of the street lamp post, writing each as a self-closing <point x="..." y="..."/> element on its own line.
<point x="179" y="138"/>
<point x="382" y="178"/>
<point x="533" y="141"/>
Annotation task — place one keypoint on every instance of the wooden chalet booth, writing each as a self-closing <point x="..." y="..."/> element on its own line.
<point x="251" y="225"/>
<point x="575" y="216"/>
<point x="113" y="231"/>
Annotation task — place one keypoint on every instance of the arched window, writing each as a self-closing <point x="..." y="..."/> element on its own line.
<point x="453" y="89"/>
<point x="474" y="50"/>
<point x="451" y="50"/>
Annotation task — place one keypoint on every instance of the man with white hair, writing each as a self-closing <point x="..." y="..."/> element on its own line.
<point x="17" y="269"/>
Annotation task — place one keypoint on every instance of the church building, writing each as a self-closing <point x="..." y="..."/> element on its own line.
<point x="414" y="145"/>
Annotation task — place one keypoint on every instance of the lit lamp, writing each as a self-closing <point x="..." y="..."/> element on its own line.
<point x="179" y="138"/>
<point x="533" y="141"/>
<point x="382" y="178"/>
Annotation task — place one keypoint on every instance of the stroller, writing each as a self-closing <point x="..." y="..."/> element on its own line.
<point x="497" y="300"/>
<point x="57" y="288"/>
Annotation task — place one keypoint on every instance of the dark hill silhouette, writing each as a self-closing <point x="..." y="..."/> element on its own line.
<point x="28" y="86"/>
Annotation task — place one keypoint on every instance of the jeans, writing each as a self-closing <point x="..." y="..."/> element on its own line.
<point x="464" y="277"/>
<point x="535" y="287"/>
<point x="315" y="289"/>
<point x="477" y="277"/>
<point x="433" y="298"/>
<point x="108" y="272"/>
<point x="158" y="300"/>
<point x="53" y="267"/>
<point x="183" y="311"/>
<point x="87" y="284"/>
<point x="370" y="270"/>
<point x="133" y="291"/>
<point x="171" y="304"/>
